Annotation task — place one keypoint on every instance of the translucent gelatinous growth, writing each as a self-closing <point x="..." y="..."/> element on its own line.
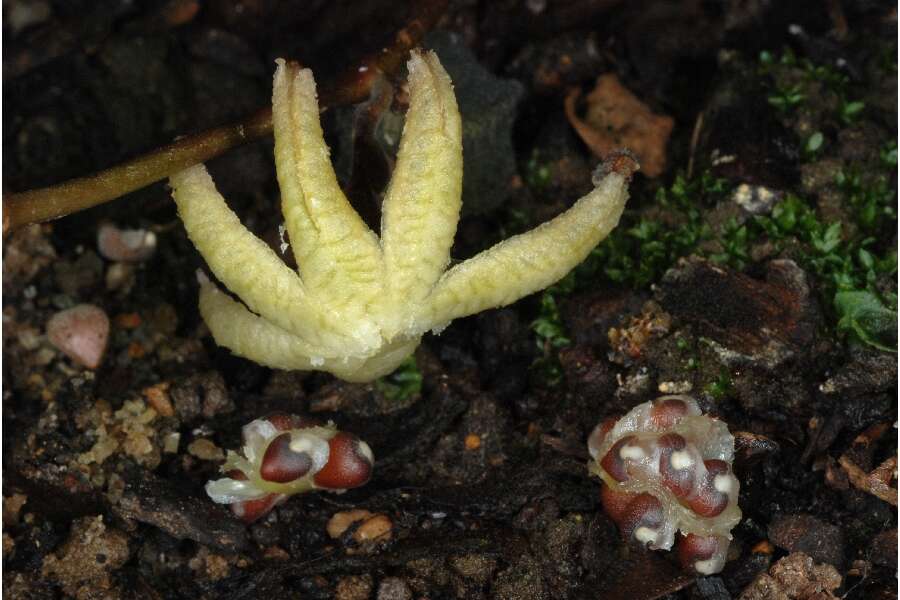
<point x="359" y="303"/>
<point x="285" y="455"/>
<point x="666" y="468"/>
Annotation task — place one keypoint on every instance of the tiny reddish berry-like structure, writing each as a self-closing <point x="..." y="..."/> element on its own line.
<point x="285" y="455"/>
<point x="666" y="468"/>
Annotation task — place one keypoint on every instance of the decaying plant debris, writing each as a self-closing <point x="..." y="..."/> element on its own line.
<point x="757" y="273"/>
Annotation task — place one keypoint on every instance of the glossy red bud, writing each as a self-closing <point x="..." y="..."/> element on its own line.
<point x="615" y="503"/>
<point x="349" y="463"/>
<point x="251" y="510"/>
<point x="665" y="412"/>
<point x="709" y="501"/>
<point x="614" y="463"/>
<point x="677" y="465"/>
<point x="694" y="550"/>
<point x="642" y="519"/>
<point x="281" y="464"/>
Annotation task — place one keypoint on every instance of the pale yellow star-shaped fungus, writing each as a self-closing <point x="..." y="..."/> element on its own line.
<point x="361" y="303"/>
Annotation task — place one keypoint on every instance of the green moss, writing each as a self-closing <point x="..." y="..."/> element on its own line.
<point x="873" y="202"/>
<point x="786" y="98"/>
<point x="888" y="154"/>
<point x="864" y="316"/>
<point x="402" y="384"/>
<point x="851" y="264"/>
<point x="641" y="249"/>
<point x="735" y="245"/>
<point x="636" y="254"/>
<point x="789" y="94"/>
<point x="722" y="387"/>
<point x="548" y="327"/>
<point x="847" y="270"/>
<point x="813" y="144"/>
<point x="770" y="63"/>
<point x="537" y="172"/>
<point x="551" y="335"/>
<point x="850" y="110"/>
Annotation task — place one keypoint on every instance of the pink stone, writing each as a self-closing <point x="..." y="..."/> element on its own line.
<point x="81" y="332"/>
<point x="126" y="245"/>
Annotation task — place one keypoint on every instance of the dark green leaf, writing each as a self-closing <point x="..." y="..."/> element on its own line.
<point x="864" y="315"/>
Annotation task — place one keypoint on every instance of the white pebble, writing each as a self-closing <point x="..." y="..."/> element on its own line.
<point x="126" y="245"/>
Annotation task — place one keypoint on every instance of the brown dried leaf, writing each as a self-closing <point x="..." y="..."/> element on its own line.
<point x="615" y="118"/>
<point x="878" y="482"/>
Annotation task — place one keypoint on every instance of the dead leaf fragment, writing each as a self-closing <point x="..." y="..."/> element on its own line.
<point x="795" y="577"/>
<point x="877" y="482"/>
<point x="615" y="118"/>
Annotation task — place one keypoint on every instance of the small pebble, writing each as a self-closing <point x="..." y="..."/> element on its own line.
<point x="170" y="443"/>
<point x="130" y="320"/>
<point x="394" y="588"/>
<point x="81" y="333"/>
<point x="21" y="15"/>
<point x="340" y="521"/>
<point x="204" y="449"/>
<point x="755" y="199"/>
<point x="125" y="245"/>
<point x="12" y="506"/>
<point x="119" y="277"/>
<point x="354" y="587"/>
<point x="276" y="553"/>
<point x="158" y="398"/>
<point x="29" y="338"/>
<point x="374" y="528"/>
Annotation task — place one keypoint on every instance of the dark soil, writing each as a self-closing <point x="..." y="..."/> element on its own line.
<point x="725" y="280"/>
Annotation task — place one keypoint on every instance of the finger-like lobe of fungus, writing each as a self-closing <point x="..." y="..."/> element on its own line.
<point x="285" y="455"/>
<point x="360" y="303"/>
<point x="666" y="468"/>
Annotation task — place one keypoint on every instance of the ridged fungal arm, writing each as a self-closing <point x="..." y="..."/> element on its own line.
<point x="359" y="304"/>
<point x="245" y="264"/>
<point x="534" y="260"/>
<point x="339" y="257"/>
<point x="422" y="202"/>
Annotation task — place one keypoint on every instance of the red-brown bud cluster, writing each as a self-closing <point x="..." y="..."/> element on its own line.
<point x="666" y="467"/>
<point x="285" y="455"/>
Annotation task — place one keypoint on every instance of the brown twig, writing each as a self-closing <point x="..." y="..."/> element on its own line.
<point x="44" y="204"/>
